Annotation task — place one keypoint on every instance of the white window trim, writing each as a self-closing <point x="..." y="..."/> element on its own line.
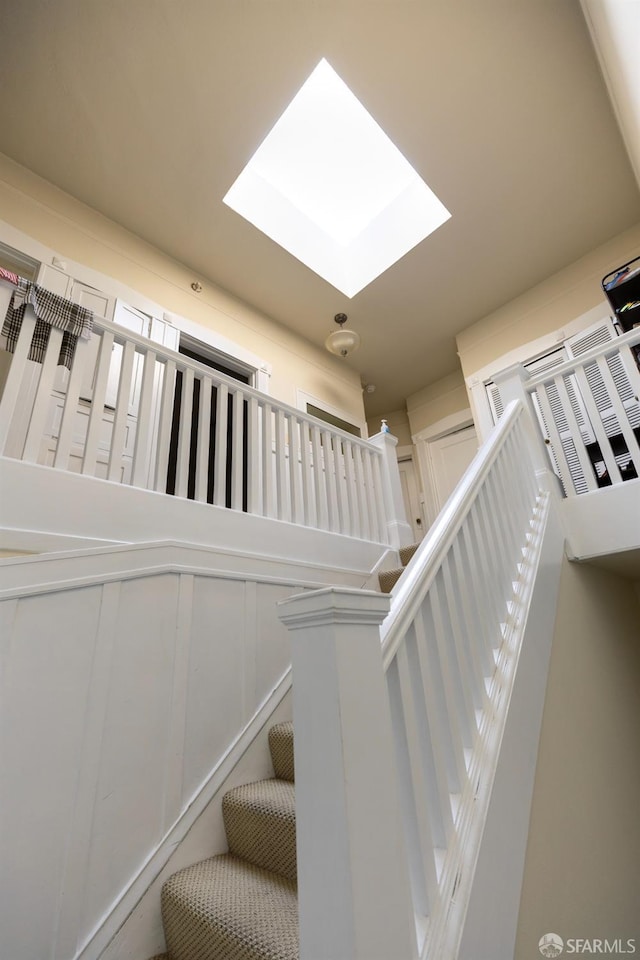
<point x="303" y="398"/>
<point x="475" y="383"/>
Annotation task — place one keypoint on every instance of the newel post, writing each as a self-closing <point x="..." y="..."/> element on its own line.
<point x="400" y="532"/>
<point x="511" y="384"/>
<point x="353" y="883"/>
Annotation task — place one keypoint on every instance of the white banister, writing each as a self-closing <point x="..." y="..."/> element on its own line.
<point x="11" y="392"/>
<point x="353" y="885"/>
<point x="399" y="531"/>
<point x="440" y="673"/>
<point x="588" y="412"/>
<point x="213" y="439"/>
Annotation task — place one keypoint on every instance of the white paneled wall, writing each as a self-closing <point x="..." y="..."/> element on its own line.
<point x="119" y="698"/>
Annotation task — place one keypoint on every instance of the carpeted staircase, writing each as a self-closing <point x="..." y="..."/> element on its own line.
<point x="389" y="578"/>
<point x="242" y="905"/>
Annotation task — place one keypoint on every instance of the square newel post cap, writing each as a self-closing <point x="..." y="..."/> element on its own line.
<point x="334" y="605"/>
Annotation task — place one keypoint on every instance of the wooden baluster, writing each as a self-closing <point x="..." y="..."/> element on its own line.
<point x="360" y="492"/>
<point x="268" y="467"/>
<point x="237" y="456"/>
<point x="114" y="468"/>
<point x="164" y="425"/>
<point x="621" y="413"/>
<point x="319" y="481"/>
<point x="144" y="438"/>
<point x="10" y="394"/>
<point x="221" y="452"/>
<point x="70" y="405"/>
<point x="441" y="771"/>
<point x="204" y="440"/>
<point x="586" y="467"/>
<point x="456" y="663"/>
<point x="308" y="493"/>
<point x="330" y="480"/>
<point x="253" y="457"/>
<point x="295" y="471"/>
<point x="184" y="437"/>
<point x="377" y="494"/>
<point x="555" y="441"/>
<point x="281" y="468"/>
<point x="355" y="527"/>
<point x="442" y="703"/>
<point x="411" y="752"/>
<point x="341" y="485"/>
<point x="96" y="415"/>
<point x="42" y="402"/>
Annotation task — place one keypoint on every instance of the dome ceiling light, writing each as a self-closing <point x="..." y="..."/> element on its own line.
<point x="342" y="342"/>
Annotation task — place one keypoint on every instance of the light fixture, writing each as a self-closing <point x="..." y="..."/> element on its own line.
<point x="342" y="342"/>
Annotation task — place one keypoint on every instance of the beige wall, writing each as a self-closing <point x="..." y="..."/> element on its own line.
<point x="398" y="424"/>
<point x="545" y="308"/>
<point x="77" y="232"/>
<point x="437" y="401"/>
<point x="582" y="871"/>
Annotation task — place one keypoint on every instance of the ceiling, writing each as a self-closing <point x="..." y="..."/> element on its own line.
<point x="148" y="110"/>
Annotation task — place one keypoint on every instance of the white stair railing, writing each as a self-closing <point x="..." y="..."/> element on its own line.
<point x="588" y="411"/>
<point x="116" y="418"/>
<point x="398" y="729"/>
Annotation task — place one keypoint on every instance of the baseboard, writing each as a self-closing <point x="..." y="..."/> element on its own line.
<point x="131" y="929"/>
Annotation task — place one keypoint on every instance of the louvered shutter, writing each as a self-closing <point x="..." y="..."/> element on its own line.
<point x="623" y="371"/>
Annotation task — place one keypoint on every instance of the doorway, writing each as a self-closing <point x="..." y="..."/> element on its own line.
<point x="201" y="357"/>
<point x="445" y="450"/>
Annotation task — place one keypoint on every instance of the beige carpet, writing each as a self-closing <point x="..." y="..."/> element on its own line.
<point x="243" y="905"/>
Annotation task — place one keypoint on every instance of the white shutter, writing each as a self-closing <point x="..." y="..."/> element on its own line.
<point x="624" y="372"/>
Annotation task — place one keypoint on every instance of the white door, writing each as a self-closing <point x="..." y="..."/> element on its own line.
<point x="450" y="457"/>
<point x="411" y="497"/>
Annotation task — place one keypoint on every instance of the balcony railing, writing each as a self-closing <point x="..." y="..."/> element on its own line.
<point x="134" y="412"/>
<point x="588" y="411"/>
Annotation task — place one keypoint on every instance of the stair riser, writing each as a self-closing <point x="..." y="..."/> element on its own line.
<point x="261" y="838"/>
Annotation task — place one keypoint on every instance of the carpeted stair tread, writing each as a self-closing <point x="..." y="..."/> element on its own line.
<point x="260" y="823"/>
<point x="281" y="747"/>
<point x="227" y="909"/>
<point x="407" y="552"/>
<point x="388" y="579"/>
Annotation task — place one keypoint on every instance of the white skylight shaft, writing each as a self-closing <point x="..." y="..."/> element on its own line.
<point x="324" y="177"/>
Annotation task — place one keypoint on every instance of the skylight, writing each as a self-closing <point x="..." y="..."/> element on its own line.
<point x="329" y="186"/>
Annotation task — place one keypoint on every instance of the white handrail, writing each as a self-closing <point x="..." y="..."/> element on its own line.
<point x="410" y="768"/>
<point x="428" y="558"/>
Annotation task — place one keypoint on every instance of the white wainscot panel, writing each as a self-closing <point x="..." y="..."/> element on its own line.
<point x="43" y="710"/>
<point x="215" y="707"/>
<point x="129" y="815"/>
<point x="272" y="640"/>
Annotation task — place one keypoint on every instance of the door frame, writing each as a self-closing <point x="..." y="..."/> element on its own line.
<point x="423" y="441"/>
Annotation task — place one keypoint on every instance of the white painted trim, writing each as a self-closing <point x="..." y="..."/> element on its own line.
<point x="101" y="936"/>
<point x="405" y="452"/>
<point x="534" y="348"/>
<point x="423" y="440"/>
<point x="303" y="398"/>
<point x="526" y="352"/>
<point x="41" y="574"/>
<point x="487" y="903"/>
<point x="455" y="421"/>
